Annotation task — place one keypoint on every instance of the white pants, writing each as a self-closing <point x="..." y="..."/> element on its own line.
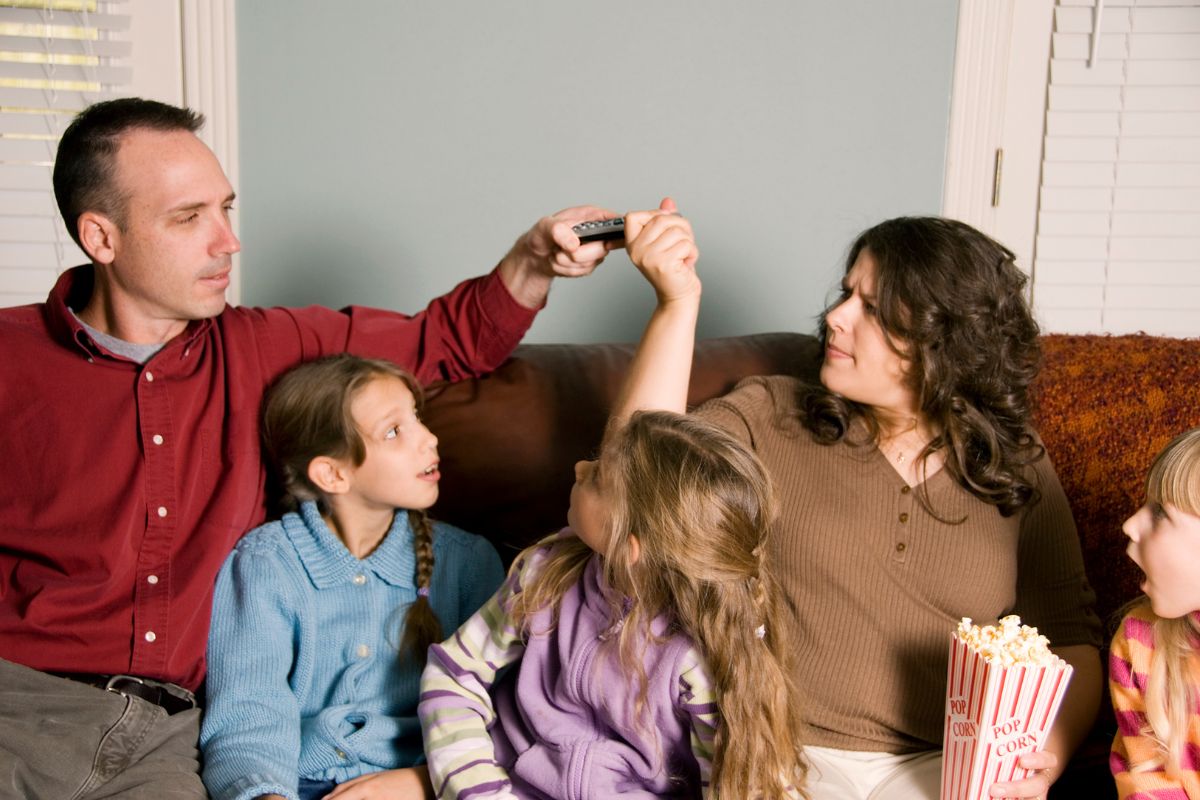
<point x="854" y="775"/>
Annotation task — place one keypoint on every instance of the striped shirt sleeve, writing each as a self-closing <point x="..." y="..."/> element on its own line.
<point x="1130" y="655"/>
<point x="698" y="699"/>
<point x="456" y="707"/>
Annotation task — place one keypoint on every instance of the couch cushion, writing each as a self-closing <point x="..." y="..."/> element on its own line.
<point x="508" y="441"/>
<point x="1106" y="406"/>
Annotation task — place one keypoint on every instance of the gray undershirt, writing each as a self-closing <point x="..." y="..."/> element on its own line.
<point x="141" y="353"/>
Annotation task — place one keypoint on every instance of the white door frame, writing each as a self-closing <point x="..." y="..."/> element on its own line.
<point x="998" y="104"/>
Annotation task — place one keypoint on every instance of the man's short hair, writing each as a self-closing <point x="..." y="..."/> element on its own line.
<point x="84" y="170"/>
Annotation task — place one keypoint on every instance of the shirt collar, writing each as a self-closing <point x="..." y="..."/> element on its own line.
<point x="328" y="562"/>
<point x="72" y="290"/>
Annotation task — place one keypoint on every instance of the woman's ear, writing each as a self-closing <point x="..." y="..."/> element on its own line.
<point x="329" y="475"/>
<point x="635" y="549"/>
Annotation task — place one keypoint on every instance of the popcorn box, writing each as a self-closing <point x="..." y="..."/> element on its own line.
<point x="995" y="713"/>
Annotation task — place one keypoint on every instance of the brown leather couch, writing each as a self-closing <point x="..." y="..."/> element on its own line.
<point x="1106" y="405"/>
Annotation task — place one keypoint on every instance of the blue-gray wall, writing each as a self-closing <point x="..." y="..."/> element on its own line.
<point x="390" y="148"/>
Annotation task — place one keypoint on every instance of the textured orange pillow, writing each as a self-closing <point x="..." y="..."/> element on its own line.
<point x="1106" y="406"/>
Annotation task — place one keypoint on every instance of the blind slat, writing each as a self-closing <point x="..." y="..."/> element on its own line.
<point x="52" y="65"/>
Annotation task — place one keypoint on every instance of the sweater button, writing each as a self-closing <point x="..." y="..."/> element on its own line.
<point x="341" y="754"/>
<point x="904" y="516"/>
<point x="901" y="547"/>
<point x="359" y="579"/>
<point x="362" y="651"/>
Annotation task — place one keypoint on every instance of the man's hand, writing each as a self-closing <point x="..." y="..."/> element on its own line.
<point x="549" y="249"/>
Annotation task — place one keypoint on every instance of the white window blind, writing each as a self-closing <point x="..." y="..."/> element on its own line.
<point x="1118" y="241"/>
<point x="56" y="57"/>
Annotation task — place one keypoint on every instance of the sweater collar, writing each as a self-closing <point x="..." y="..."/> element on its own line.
<point x="328" y="562"/>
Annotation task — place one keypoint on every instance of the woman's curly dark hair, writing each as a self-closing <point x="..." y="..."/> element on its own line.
<point x="951" y="300"/>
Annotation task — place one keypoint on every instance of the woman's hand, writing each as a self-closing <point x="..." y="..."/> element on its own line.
<point x="1042" y="764"/>
<point x="393" y="784"/>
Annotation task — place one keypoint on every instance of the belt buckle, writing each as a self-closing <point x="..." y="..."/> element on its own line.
<point x="113" y="680"/>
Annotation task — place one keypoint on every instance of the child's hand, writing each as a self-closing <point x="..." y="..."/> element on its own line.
<point x="393" y="784"/>
<point x="661" y="245"/>
<point x="1037" y="784"/>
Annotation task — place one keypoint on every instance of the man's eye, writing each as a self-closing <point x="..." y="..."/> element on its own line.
<point x="189" y="219"/>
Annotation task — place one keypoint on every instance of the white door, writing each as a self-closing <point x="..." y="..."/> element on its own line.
<point x="1096" y="108"/>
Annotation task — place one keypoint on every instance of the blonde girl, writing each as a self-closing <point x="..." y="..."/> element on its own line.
<point x="321" y="620"/>
<point x="646" y="637"/>
<point x="1154" y="661"/>
<point x="644" y="643"/>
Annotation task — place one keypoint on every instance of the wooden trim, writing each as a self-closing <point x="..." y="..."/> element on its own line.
<point x="210" y="85"/>
<point x="1001" y="70"/>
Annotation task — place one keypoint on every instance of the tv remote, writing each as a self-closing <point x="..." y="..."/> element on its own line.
<point x="600" y="230"/>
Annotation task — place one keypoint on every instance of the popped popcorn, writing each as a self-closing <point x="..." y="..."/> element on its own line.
<point x="1008" y="644"/>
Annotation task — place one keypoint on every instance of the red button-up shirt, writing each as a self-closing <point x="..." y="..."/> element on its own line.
<point x="125" y="485"/>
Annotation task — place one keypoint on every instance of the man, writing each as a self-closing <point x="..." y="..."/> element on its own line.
<point x="129" y="402"/>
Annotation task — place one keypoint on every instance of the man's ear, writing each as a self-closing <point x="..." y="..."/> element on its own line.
<point x="329" y="475"/>
<point x="99" y="237"/>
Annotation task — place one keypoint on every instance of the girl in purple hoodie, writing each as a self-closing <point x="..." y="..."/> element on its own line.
<point x="639" y="651"/>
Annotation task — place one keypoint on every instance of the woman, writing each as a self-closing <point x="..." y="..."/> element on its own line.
<point x="913" y="493"/>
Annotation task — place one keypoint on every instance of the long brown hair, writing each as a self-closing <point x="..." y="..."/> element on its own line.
<point x="701" y="506"/>
<point x="951" y="300"/>
<point x="1174" y="480"/>
<point x="307" y="414"/>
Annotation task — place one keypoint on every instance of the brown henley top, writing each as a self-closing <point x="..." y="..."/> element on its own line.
<point x="879" y="583"/>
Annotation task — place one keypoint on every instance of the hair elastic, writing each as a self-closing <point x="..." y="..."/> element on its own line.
<point x="423" y="591"/>
<point x="760" y="631"/>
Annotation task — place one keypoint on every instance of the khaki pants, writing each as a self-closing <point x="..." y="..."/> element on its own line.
<point x="63" y="740"/>
<point x="852" y="775"/>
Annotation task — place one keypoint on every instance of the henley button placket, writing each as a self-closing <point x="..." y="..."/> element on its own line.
<point x="901" y="542"/>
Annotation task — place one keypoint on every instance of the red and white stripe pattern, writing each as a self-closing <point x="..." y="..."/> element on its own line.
<point x="994" y="714"/>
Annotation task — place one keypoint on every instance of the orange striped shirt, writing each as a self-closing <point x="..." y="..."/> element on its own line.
<point x="1129" y="660"/>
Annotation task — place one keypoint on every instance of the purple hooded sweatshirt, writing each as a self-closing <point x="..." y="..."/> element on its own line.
<point x="566" y="721"/>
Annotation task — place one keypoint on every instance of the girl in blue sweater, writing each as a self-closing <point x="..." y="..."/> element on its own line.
<point x="321" y="620"/>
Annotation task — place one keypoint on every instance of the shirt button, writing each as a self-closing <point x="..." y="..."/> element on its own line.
<point x="363" y="651"/>
<point x="157" y="438"/>
<point x="162" y="511"/>
<point x="900" y="547"/>
<point x="150" y="636"/>
<point x="360" y="579"/>
<point x="151" y="579"/>
<point x="904" y="516"/>
<point x="340" y="753"/>
<point x="149" y="376"/>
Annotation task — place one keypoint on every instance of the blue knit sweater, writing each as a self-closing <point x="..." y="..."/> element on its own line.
<point x="304" y="674"/>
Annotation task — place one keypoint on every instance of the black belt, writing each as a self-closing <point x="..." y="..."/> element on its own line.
<point x="168" y="696"/>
